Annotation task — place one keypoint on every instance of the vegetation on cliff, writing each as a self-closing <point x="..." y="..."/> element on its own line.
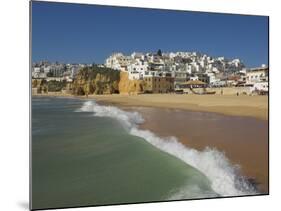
<point x="40" y="84"/>
<point x="56" y="86"/>
<point x="96" y="80"/>
<point x="44" y="86"/>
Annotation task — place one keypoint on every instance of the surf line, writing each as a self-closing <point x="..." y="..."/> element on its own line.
<point x="225" y="177"/>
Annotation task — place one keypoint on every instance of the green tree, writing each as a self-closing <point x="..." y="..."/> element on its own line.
<point x="159" y="52"/>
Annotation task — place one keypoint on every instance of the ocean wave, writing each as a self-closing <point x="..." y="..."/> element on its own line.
<point x="225" y="178"/>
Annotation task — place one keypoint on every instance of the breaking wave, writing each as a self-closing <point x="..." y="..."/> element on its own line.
<point x="225" y="178"/>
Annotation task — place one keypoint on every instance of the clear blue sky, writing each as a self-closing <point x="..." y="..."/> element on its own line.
<point x="89" y="33"/>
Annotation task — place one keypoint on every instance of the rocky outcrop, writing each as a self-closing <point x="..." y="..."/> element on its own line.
<point x="39" y="85"/>
<point x="127" y="86"/>
<point x="96" y="81"/>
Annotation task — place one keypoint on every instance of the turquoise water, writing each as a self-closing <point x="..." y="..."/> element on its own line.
<point x="80" y="159"/>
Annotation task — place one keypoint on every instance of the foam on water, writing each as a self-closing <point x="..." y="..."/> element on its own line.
<point x="225" y="177"/>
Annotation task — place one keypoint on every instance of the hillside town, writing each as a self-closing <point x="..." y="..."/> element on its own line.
<point x="55" y="71"/>
<point x="177" y="72"/>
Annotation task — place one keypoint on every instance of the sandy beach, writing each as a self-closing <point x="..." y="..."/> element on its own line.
<point x="243" y="105"/>
<point x="244" y="140"/>
<point x="235" y="125"/>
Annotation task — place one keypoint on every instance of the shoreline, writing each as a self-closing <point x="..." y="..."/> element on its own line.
<point x="248" y="106"/>
<point x="243" y="147"/>
<point x="244" y="140"/>
<point x="232" y="105"/>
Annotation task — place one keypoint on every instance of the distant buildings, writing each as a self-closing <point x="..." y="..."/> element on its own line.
<point x="182" y="66"/>
<point x="55" y="71"/>
<point x="159" y="83"/>
<point x="257" y="78"/>
<point x="256" y="75"/>
<point x="118" y="61"/>
<point x="162" y="72"/>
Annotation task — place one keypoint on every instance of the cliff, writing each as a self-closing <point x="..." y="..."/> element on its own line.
<point x="127" y="86"/>
<point x="93" y="80"/>
<point x="40" y="85"/>
<point x="96" y="80"/>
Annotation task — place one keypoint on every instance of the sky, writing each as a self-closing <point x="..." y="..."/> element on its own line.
<point x="76" y="33"/>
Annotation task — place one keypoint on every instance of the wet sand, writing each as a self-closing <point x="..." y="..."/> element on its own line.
<point x="250" y="106"/>
<point x="242" y="105"/>
<point x="244" y="140"/>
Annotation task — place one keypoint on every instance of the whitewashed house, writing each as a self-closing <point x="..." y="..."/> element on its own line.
<point x="138" y="66"/>
<point x="256" y="75"/>
<point x="118" y="61"/>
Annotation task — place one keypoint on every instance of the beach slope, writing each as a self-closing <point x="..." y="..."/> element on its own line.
<point x="251" y="106"/>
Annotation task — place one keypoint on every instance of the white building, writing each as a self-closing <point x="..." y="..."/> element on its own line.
<point x="140" y="65"/>
<point x="256" y="75"/>
<point x="212" y="78"/>
<point x="137" y="55"/>
<point x="39" y="75"/>
<point x="194" y="78"/>
<point x="47" y="69"/>
<point x="135" y="75"/>
<point x="118" y="61"/>
<point x="260" y="86"/>
<point x="137" y="67"/>
<point x="36" y="69"/>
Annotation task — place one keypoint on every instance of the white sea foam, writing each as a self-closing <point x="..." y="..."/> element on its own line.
<point x="224" y="177"/>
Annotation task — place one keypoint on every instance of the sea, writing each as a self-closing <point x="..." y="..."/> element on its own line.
<point x="87" y="154"/>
